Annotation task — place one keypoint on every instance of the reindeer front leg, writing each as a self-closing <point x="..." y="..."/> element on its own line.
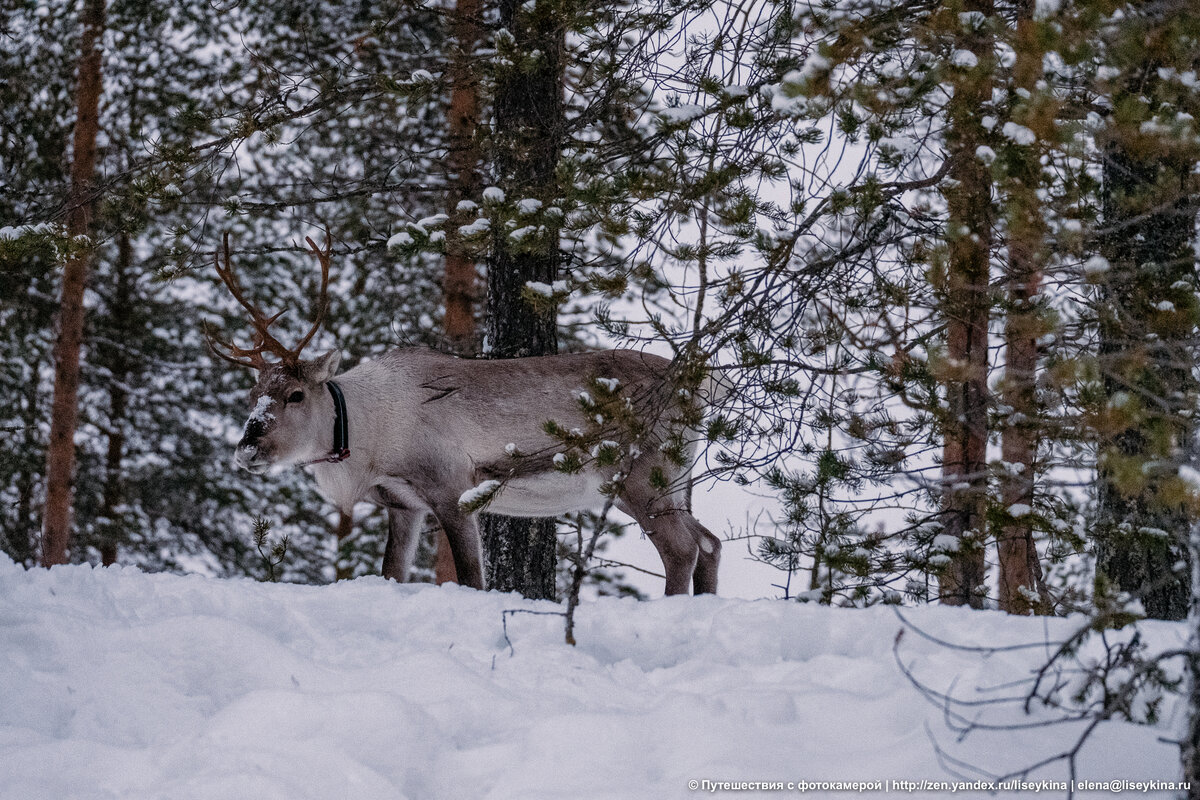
<point x="404" y="531"/>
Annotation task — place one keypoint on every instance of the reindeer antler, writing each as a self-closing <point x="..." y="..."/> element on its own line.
<point x="323" y="296"/>
<point x="264" y="341"/>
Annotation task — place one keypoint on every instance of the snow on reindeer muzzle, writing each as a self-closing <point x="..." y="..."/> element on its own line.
<point x="248" y="455"/>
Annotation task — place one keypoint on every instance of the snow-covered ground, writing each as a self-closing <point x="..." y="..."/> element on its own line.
<point x="119" y="684"/>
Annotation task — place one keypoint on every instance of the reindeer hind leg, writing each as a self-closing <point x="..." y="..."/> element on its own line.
<point x="675" y="543"/>
<point x="704" y="579"/>
<point x="462" y="531"/>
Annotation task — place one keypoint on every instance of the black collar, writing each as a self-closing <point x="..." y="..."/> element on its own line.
<point x="341" y="429"/>
<point x="341" y="425"/>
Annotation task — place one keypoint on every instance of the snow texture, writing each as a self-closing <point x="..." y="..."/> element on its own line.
<point x="548" y="289"/>
<point x="119" y="684"/>
<point x="684" y="113"/>
<point x="1096" y="265"/>
<point x="1190" y="476"/>
<point x="261" y="412"/>
<point x="964" y="59"/>
<point x="477" y="227"/>
<point x="1046" y="8"/>
<point x="10" y="233"/>
<point x="1018" y="134"/>
<point x="478" y="493"/>
<point x="401" y="239"/>
<point x="432" y="221"/>
<point x="814" y="65"/>
<point x="946" y="543"/>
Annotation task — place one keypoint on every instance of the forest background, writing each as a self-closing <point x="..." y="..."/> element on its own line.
<point x="942" y="256"/>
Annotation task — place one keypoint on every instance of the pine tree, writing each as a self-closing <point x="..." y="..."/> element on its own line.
<point x="965" y="305"/>
<point x="527" y="133"/>
<point x="460" y="282"/>
<point x="1021" y="588"/>
<point x="60" y="458"/>
<point x="35" y="128"/>
<point x="1148" y="316"/>
<point x="152" y="482"/>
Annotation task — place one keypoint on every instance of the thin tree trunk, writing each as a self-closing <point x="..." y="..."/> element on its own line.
<point x="460" y="283"/>
<point x="24" y="550"/>
<point x="1021" y="586"/>
<point x="118" y="402"/>
<point x="528" y="132"/>
<point x="343" y="569"/>
<point x="966" y="306"/>
<point x="60" y="457"/>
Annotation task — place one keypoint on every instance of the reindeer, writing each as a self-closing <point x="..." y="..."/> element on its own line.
<point x="420" y="432"/>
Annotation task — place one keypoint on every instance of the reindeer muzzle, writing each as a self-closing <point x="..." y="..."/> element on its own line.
<point x="248" y="457"/>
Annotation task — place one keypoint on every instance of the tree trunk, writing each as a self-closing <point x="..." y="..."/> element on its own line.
<point x="965" y="307"/>
<point x="60" y="457"/>
<point x="1146" y="355"/>
<point x="23" y="547"/>
<point x="1021" y="587"/>
<point x="343" y="569"/>
<point x="460" y="284"/>
<point x="527" y="135"/>
<point x="118" y="392"/>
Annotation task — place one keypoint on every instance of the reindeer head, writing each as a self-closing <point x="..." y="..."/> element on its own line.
<point x="290" y="418"/>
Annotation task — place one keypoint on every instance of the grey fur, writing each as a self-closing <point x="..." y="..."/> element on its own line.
<point x="427" y="427"/>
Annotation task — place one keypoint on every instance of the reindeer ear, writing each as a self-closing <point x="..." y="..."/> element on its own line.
<point x="323" y="367"/>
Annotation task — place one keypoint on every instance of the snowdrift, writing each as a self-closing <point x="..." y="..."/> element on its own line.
<point x="120" y="684"/>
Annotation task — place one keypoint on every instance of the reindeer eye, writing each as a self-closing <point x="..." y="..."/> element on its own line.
<point x="296" y="397"/>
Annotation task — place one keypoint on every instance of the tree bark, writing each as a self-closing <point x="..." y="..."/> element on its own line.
<point x="23" y="547"/>
<point x="1146" y="356"/>
<point x="1021" y="589"/>
<point x="343" y="569"/>
<point x="60" y="457"/>
<point x="966" y="306"/>
<point x="460" y="283"/>
<point x="527" y="139"/>
<point x="118" y="393"/>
